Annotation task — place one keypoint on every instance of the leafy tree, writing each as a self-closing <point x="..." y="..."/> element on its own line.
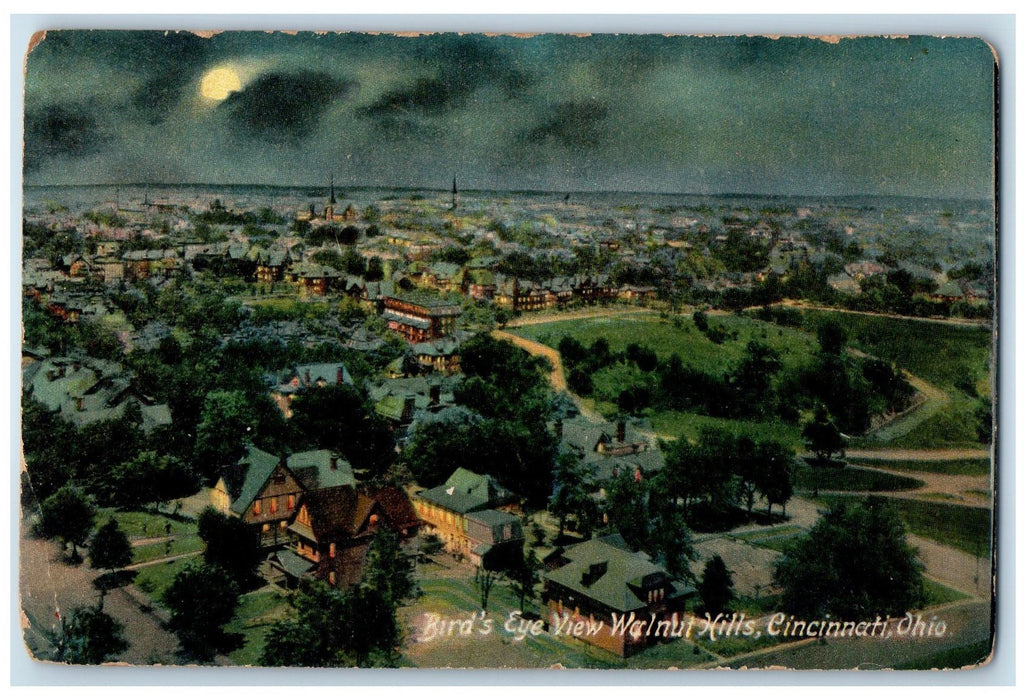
<point x="225" y="422"/>
<point x="202" y="600"/>
<point x="777" y="474"/>
<point x="230" y="544"/>
<point x="572" y="498"/>
<point x="716" y="587"/>
<point x="625" y="509"/>
<point x="109" y="548"/>
<point x="853" y="564"/>
<point x="68" y="515"/>
<point x="822" y="436"/>
<point x="148" y="478"/>
<point x="386" y="568"/>
<point x="670" y="539"/>
<point x="341" y="418"/>
<point x="523" y="577"/>
<point x="91" y="636"/>
<point x="46" y="438"/>
<point x="831" y="336"/>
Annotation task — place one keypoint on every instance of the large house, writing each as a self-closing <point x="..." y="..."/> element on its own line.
<point x="87" y="390"/>
<point x="609" y="449"/>
<point x="596" y="580"/>
<point x="302" y="378"/>
<point x="471" y="515"/>
<point x="420" y="317"/>
<point x="333" y="528"/>
<point x="264" y="490"/>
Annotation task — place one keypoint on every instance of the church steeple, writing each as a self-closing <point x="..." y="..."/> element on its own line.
<point x="329" y="209"/>
<point x="455" y="193"/>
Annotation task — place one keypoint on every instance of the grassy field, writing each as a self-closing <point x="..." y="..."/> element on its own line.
<point x="256" y="613"/>
<point x="138" y="524"/>
<point x="809" y="478"/>
<point x="942" y="354"/>
<point x="159" y="550"/>
<point x="939" y="594"/>
<point x="152" y="580"/>
<point x="666" y="336"/>
<point x="960" y="467"/>
<point x="964" y="527"/>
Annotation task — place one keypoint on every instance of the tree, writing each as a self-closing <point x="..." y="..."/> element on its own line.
<point x="148" y="478"/>
<point x="68" y="515"/>
<point x="670" y="539"/>
<point x="226" y="421"/>
<point x="484" y="579"/>
<point x="853" y="564"/>
<point x="523" y="576"/>
<point x="340" y="417"/>
<point x="831" y="336"/>
<point x="202" y="600"/>
<point x="822" y="437"/>
<point x="386" y="568"/>
<point x="91" y="636"/>
<point x="230" y="544"/>
<point x="572" y="498"/>
<point x="625" y="509"/>
<point x="110" y="549"/>
<point x="716" y="587"/>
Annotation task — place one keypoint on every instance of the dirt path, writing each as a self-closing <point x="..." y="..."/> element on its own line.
<point x="537" y="319"/>
<point x="793" y="303"/>
<point x="49" y="587"/>
<point x="556" y="377"/>
<point x="908" y="455"/>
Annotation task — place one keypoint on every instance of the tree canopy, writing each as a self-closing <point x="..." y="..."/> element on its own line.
<point x="91" y="636"/>
<point x="853" y="564"/>
<point x="202" y="600"/>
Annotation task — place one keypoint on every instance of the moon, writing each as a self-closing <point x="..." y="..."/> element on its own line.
<point x="218" y="83"/>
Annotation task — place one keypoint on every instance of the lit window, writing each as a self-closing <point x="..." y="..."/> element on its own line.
<point x="331" y="550"/>
<point x="274" y="506"/>
<point x="290" y="501"/>
<point x="256" y="507"/>
<point x="331" y="577"/>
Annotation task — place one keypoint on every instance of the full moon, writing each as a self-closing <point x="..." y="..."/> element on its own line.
<point x="217" y="84"/>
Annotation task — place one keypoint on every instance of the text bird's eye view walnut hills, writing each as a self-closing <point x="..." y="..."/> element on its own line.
<point x="493" y="351"/>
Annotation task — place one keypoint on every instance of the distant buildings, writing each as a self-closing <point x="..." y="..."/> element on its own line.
<point x="418" y="317"/>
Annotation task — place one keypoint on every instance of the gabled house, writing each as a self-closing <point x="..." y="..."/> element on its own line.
<point x="302" y="378"/>
<point x="264" y="490"/>
<point x="473" y="517"/>
<point x="333" y="528"/>
<point x="596" y="580"/>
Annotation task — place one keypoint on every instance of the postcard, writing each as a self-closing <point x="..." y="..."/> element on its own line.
<point x="551" y="351"/>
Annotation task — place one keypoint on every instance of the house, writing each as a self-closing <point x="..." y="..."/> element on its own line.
<point x="471" y="515"/>
<point x="333" y="528"/>
<point x="441" y="356"/>
<point x="420" y="317"/>
<point x="608" y="449"/>
<point x="303" y="378"/>
<point x="600" y="579"/>
<point x="264" y="490"/>
<point x="89" y="390"/>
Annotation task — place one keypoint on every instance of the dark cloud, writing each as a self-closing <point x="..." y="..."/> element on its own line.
<point x="461" y="66"/>
<point x="284" y="107"/>
<point x="60" y="131"/>
<point x="572" y="125"/>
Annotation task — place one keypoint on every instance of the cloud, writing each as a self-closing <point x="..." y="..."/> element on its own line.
<point x="283" y="107"/>
<point x="60" y="131"/>
<point x="571" y="125"/>
<point x="458" y="66"/>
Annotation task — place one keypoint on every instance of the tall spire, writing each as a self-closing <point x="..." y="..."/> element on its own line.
<point x="455" y="193"/>
<point x="331" y="196"/>
<point x="329" y="208"/>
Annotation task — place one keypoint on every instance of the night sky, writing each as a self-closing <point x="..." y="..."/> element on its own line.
<point x="551" y="112"/>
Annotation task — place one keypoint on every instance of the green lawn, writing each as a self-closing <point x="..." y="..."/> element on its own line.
<point x="159" y="550"/>
<point x="690" y="425"/>
<point x="775" y="538"/>
<point x="961" y="467"/>
<point x="811" y="478"/>
<point x="942" y="354"/>
<point x="939" y="594"/>
<point x="966" y="528"/>
<point x="152" y="580"/>
<point x="137" y="524"/>
<point x="666" y="336"/>
<point x="256" y="613"/>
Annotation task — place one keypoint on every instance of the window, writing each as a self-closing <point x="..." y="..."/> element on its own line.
<point x="290" y="501"/>
<point x="331" y="550"/>
<point x="256" y="507"/>
<point x="274" y="506"/>
<point x="331" y="577"/>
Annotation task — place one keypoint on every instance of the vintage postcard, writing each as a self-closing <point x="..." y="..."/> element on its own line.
<point x="488" y="351"/>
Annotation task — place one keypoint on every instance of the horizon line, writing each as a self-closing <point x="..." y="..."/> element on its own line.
<point x="510" y="190"/>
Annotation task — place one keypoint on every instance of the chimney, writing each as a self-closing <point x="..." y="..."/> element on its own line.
<point x="334" y="463"/>
<point x="306" y="376"/>
<point x="408" y="405"/>
<point x="594" y="573"/>
<point x="621" y="431"/>
<point x="338" y="375"/>
<point x="637" y="474"/>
